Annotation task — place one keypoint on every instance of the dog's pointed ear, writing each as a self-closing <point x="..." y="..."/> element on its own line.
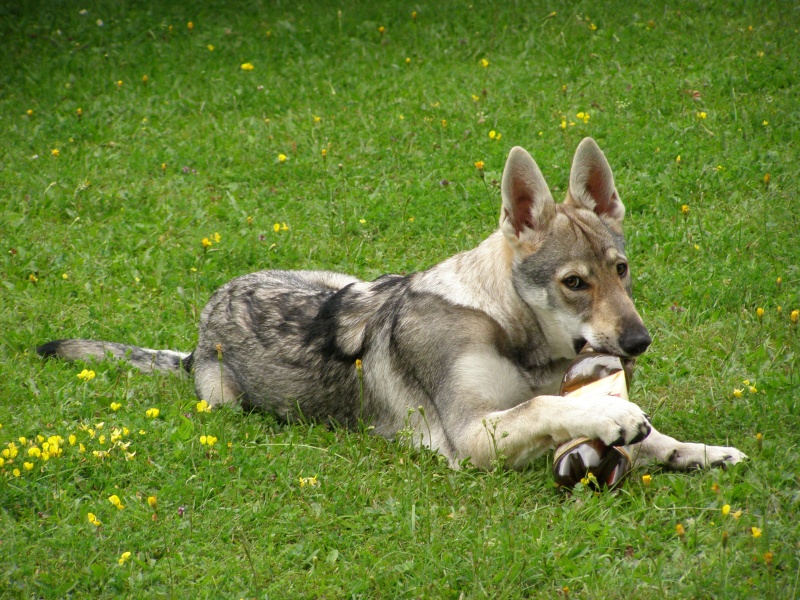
<point x="528" y="205"/>
<point x="591" y="183"/>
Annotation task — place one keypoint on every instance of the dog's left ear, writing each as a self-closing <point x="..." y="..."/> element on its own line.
<point x="591" y="183"/>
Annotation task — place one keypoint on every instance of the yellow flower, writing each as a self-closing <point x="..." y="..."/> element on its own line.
<point x="685" y="209"/>
<point x="563" y="124"/>
<point x="15" y="473"/>
<point x="145" y="79"/>
<point x="381" y="29"/>
<point x="475" y="98"/>
<point x="444" y="122"/>
<point x="208" y="440"/>
<point x="753" y="389"/>
<point x="760" y="54"/>
<point x="414" y="15"/>
<point x="210" y="48"/>
<point x="701" y="115"/>
<point x="492" y="134"/>
<point x="29" y="112"/>
<point x="593" y="27"/>
<point x="93" y="520"/>
<point x="86" y="375"/>
<point x="207" y="243"/>
<point x="646" y="480"/>
<point x="767" y="178"/>
<point x="362" y="221"/>
<point x="123" y="557"/>
<point x="152" y="412"/>
<point x="308" y="481"/>
<point x="72" y="439"/>
<point x="725" y="510"/>
<point x="778" y="281"/>
<point x="102" y="439"/>
<point x="276" y="228"/>
<point x="28" y="466"/>
<point x="114" y="499"/>
<point x="583" y="116"/>
<point x="115" y="406"/>
<point x="247" y="66"/>
<point x="680" y="530"/>
<point x="203" y="406"/>
<point x="284" y="227"/>
<point x="2" y="461"/>
<point x="484" y="63"/>
<point x="359" y="364"/>
<point x="737" y="514"/>
<point x="35" y="452"/>
<point x="190" y="25"/>
<point x="765" y="123"/>
<point x="795" y="316"/>
<point x="281" y="157"/>
<point x="408" y="60"/>
<point x="756" y="531"/>
<point x="217" y="237"/>
<point x="324" y="153"/>
<point x="55" y="152"/>
<point x="119" y="83"/>
<point x="64" y="276"/>
<point x="759" y="312"/>
<point x="737" y="393"/>
<point x="316" y="118"/>
<point x="678" y="159"/>
<point x="152" y="501"/>
<point x="479" y="165"/>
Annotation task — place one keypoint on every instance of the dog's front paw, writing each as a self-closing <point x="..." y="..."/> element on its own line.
<point x="699" y="456"/>
<point x="617" y="422"/>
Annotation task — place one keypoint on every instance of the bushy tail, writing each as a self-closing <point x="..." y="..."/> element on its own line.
<point x="144" y="359"/>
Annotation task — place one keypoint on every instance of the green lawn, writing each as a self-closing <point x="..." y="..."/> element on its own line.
<point x="131" y="132"/>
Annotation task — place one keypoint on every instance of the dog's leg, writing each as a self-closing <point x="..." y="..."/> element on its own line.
<point x="684" y="455"/>
<point x="521" y="433"/>
<point x="215" y="384"/>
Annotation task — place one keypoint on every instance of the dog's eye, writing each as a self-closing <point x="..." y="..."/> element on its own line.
<point x="574" y="282"/>
<point x="622" y="269"/>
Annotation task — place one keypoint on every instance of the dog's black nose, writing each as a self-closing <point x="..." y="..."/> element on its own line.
<point x="634" y="341"/>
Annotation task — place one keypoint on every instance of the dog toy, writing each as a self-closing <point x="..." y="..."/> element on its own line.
<point x="582" y="459"/>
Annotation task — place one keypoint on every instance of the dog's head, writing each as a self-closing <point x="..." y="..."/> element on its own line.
<point x="569" y="261"/>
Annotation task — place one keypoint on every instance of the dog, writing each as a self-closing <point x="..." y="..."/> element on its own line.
<point x="467" y="355"/>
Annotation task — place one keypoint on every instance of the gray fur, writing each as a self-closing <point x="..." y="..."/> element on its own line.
<point x="467" y="353"/>
<point x="144" y="359"/>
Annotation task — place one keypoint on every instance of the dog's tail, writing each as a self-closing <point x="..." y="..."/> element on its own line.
<point x="144" y="359"/>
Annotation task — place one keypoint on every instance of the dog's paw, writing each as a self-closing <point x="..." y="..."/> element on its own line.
<point x="616" y="422"/>
<point x="699" y="456"/>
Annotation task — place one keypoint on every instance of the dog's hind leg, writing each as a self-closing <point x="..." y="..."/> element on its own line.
<point x="216" y="383"/>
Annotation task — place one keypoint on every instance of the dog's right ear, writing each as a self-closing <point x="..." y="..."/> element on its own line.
<point x="528" y="205"/>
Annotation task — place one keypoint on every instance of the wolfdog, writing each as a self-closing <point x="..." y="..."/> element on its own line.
<point x="468" y="353"/>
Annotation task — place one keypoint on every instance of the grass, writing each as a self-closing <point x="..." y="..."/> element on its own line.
<point x="104" y="241"/>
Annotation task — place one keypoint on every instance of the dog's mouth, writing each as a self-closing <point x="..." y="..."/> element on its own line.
<point x="578" y="344"/>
